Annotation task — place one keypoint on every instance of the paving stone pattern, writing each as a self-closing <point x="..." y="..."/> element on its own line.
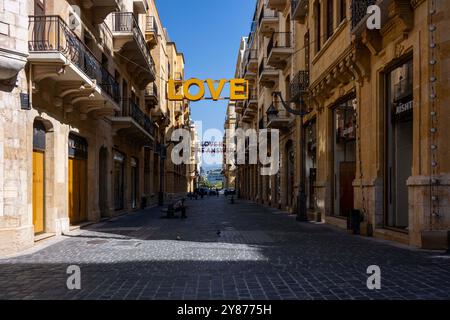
<point x="222" y="251"/>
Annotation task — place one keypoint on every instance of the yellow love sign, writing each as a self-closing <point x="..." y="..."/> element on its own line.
<point x="238" y="89"/>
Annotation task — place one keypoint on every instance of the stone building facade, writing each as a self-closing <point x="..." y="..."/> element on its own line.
<point x="83" y="114"/>
<point x="374" y="123"/>
<point x="229" y="169"/>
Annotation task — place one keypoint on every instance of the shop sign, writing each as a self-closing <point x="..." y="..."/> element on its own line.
<point x="78" y="147"/>
<point x="118" y="156"/>
<point x="404" y="107"/>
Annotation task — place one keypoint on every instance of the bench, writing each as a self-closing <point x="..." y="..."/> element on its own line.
<point x="174" y="207"/>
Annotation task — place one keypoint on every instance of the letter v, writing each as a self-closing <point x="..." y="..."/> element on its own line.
<point x="215" y="93"/>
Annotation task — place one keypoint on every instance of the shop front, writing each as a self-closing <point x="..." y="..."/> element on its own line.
<point x="311" y="164"/>
<point x="39" y="144"/>
<point x="78" y="157"/>
<point x="134" y="182"/>
<point x="399" y="145"/>
<point x="344" y="157"/>
<point x="119" y="180"/>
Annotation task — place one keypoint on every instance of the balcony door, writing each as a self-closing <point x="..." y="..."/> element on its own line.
<point x="287" y="34"/>
<point x="39" y="7"/>
<point x="124" y="97"/>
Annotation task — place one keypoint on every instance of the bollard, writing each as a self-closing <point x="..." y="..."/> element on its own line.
<point x="232" y="199"/>
<point x="448" y="242"/>
<point x="356" y="218"/>
<point x="183" y="212"/>
<point x="170" y="211"/>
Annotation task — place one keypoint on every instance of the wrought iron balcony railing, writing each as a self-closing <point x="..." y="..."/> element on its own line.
<point x="52" y="34"/>
<point x="151" y="25"/>
<point x="280" y="40"/>
<point x="126" y="22"/>
<point x="132" y="110"/>
<point x="299" y="85"/>
<point x="359" y="10"/>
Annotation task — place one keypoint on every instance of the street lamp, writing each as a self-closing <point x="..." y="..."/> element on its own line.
<point x="273" y="112"/>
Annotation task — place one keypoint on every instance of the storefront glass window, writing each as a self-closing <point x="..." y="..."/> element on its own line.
<point x="399" y="144"/>
<point x="344" y="155"/>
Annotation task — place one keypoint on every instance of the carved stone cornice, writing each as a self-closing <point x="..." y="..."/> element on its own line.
<point x="353" y="64"/>
<point x="11" y="62"/>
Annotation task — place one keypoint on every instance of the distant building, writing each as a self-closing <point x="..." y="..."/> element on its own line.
<point x="215" y="177"/>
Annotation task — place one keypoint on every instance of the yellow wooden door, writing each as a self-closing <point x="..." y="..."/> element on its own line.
<point x="82" y="189"/>
<point x="72" y="199"/>
<point x="77" y="190"/>
<point x="38" y="191"/>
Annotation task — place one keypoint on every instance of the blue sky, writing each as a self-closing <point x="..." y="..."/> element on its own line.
<point x="208" y="32"/>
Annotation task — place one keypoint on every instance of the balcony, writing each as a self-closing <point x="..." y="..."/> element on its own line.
<point x="279" y="49"/>
<point x="151" y="95"/>
<point x="249" y="74"/>
<point x="100" y="8"/>
<point x="178" y="108"/>
<point x="130" y="45"/>
<point x="133" y="124"/>
<point x="279" y="120"/>
<point x="299" y="9"/>
<point x="178" y="76"/>
<point x="252" y="34"/>
<point x="151" y="31"/>
<point x="248" y="116"/>
<point x="278" y="5"/>
<point x="252" y="102"/>
<point x="239" y="107"/>
<point x="140" y="6"/>
<point x="268" y="75"/>
<point x="268" y="21"/>
<point x="251" y="59"/>
<point x="64" y="66"/>
<point x="299" y="85"/>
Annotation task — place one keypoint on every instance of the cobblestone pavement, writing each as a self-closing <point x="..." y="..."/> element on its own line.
<point x="260" y="253"/>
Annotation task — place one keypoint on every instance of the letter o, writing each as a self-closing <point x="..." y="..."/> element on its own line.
<point x="193" y="82"/>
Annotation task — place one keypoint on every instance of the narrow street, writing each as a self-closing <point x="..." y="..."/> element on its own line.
<point x="259" y="253"/>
